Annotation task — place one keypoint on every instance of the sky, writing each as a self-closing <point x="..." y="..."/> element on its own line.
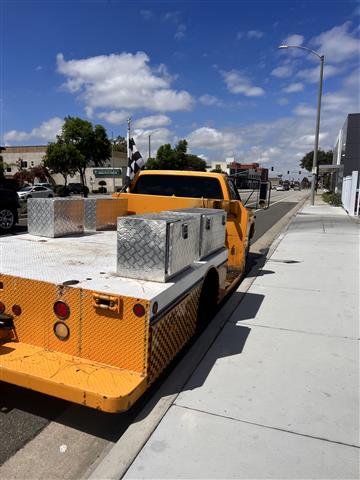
<point x="207" y="71"/>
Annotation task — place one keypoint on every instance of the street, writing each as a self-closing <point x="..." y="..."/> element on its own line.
<point x="56" y="425"/>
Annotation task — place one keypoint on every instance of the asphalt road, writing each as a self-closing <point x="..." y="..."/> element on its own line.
<point x="24" y="414"/>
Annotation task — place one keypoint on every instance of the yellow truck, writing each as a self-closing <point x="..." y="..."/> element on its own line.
<point x="71" y="327"/>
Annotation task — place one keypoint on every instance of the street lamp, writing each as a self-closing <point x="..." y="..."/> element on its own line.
<point x="314" y="169"/>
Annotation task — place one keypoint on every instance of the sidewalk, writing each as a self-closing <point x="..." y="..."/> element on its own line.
<point x="277" y="394"/>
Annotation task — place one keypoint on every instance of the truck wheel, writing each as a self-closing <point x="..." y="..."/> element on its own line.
<point x="208" y="299"/>
<point x="7" y="219"/>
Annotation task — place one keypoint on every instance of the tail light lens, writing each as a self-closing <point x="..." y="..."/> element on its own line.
<point x="61" y="310"/>
<point x="61" y="330"/>
<point x="16" y="310"/>
<point x="139" y="310"/>
<point x="2" y="308"/>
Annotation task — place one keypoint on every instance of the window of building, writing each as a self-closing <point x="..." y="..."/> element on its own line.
<point x="8" y="169"/>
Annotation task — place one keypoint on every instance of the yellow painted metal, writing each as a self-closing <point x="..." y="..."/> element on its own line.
<point x="114" y="338"/>
<point x="36" y="323"/>
<point x="71" y="378"/>
<point x="171" y="332"/>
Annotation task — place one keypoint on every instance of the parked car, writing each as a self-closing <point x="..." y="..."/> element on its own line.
<point x="9" y="204"/>
<point x="77" y="188"/>
<point x="280" y="188"/>
<point x="35" y="192"/>
<point x="47" y="185"/>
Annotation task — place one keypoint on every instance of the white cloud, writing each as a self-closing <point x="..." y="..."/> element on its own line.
<point x="158" y="137"/>
<point x="115" y="117"/>
<point x="146" y="14"/>
<point x="122" y="81"/>
<point x="293" y="40"/>
<point x="304" y="110"/>
<point x="283" y="71"/>
<point x="180" y="31"/>
<point x="283" y="101"/>
<point x="338" y="44"/>
<point x="251" y="34"/>
<point x="210" y="100"/>
<point x="294" y="87"/>
<point x="236" y="83"/>
<point x="152" y="121"/>
<point x="210" y="138"/>
<point x="254" y="34"/>
<point x="312" y="75"/>
<point x="353" y="80"/>
<point x="46" y="132"/>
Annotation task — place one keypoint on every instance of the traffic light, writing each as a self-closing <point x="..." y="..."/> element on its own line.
<point x="300" y="172"/>
<point x="272" y="169"/>
<point x="288" y="172"/>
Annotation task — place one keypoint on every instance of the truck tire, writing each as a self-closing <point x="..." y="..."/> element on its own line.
<point x="208" y="299"/>
<point x="7" y="219"/>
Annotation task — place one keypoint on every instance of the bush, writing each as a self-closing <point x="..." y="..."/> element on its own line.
<point x="332" y="198"/>
<point x="61" y="191"/>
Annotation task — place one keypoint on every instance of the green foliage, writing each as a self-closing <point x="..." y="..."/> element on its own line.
<point x="332" y="198"/>
<point x="78" y="145"/>
<point x="63" y="158"/>
<point x="120" y="144"/>
<point x="177" y="158"/>
<point x="217" y="170"/>
<point x="323" y="158"/>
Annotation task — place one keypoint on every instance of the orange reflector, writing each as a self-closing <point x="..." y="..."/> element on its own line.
<point x="2" y="308"/>
<point x="139" y="310"/>
<point x="16" y="310"/>
<point x="61" y="310"/>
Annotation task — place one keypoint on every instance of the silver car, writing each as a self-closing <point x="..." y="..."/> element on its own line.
<point x="36" y="191"/>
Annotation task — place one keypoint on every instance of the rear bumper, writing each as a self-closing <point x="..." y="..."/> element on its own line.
<point x="71" y="378"/>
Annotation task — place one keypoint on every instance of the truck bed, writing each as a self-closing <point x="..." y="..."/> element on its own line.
<point x="88" y="262"/>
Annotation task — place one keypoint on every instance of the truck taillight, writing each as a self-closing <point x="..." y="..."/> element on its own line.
<point x="16" y="309"/>
<point x="61" y="310"/>
<point x="139" y="310"/>
<point x="2" y="308"/>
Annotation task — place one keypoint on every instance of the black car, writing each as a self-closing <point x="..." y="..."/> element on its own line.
<point x="9" y="204"/>
<point x="77" y="188"/>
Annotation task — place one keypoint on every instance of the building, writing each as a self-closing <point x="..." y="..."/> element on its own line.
<point x="346" y="157"/>
<point x="248" y="175"/>
<point x="113" y="172"/>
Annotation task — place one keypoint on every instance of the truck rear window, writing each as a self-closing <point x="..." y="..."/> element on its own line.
<point x="179" y="185"/>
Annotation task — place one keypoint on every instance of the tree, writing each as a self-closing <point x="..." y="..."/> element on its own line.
<point x="177" y="158"/>
<point x="217" y="170"/>
<point x="63" y="158"/>
<point x="85" y="144"/>
<point x="323" y="158"/>
<point x="120" y="144"/>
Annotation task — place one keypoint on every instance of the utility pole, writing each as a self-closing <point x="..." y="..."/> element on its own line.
<point x="112" y="159"/>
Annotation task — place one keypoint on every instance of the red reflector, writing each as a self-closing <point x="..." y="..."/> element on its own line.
<point x="16" y="310"/>
<point x="2" y="308"/>
<point x="61" y="310"/>
<point x="139" y="310"/>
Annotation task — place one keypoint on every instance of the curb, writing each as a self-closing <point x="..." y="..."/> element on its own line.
<point x="115" y="463"/>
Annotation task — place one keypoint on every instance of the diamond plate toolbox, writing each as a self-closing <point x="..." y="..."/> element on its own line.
<point x="55" y="217"/>
<point x="102" y="213"/>
<point x="156" y="247"/>
<point x="212" y="228"/>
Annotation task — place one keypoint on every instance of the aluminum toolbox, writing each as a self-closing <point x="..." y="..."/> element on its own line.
<point x="55" y="217"/>
<point x="212" y="228"/>
<point x="156" y="247"/>
<point x="102" y="213"/>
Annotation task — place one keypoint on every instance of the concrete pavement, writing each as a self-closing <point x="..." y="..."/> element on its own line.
<point x="277" y="394"/>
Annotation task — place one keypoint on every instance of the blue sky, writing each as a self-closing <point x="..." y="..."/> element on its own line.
<point x="206" y="71"/>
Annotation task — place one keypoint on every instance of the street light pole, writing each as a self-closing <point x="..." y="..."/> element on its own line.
<point x="317" y="128"/>
<point x="149" y="146"/>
